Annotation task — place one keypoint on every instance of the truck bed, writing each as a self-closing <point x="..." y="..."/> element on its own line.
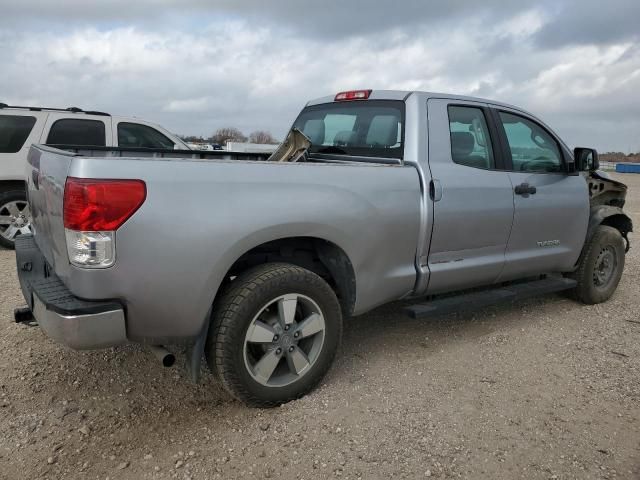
<point x="139" y="153"/>
<point x="90" y="151"/>
<point x="202" y="213"/>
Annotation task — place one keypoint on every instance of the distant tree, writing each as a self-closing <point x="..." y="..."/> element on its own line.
<point x="225" y="134"/>
<point x="262" y="136"/>
<point x="191" y="138"/>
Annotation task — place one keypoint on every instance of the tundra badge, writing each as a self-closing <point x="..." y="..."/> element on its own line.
<point x="548" y="243"/>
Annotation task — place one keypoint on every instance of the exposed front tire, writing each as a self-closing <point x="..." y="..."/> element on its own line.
<point x="600" y="266"/>
<point x="275" y="331"/>
<point x="15" y="216"/>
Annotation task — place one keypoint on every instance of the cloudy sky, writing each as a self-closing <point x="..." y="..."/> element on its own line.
<point x="196" y="65"/>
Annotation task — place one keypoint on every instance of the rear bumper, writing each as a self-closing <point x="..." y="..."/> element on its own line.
<point x="77" y="323"/>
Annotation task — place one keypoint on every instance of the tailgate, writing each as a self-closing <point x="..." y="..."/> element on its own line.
<point x="46" y="176"/>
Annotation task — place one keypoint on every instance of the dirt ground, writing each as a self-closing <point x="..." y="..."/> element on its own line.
<point x="542" y="389"/>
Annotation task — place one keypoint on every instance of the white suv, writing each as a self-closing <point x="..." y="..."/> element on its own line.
<point x="22" y="126"/>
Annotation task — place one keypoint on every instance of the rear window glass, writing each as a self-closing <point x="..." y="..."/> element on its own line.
<point x="77" y="132"/>
<point x="14" y="131"/>
<point x="369" y="128"/>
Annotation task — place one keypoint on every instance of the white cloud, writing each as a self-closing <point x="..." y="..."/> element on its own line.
<point x="226" y="70"/>
<point x="200" y="104"/>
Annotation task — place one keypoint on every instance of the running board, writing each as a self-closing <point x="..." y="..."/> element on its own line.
<point x="481" y="299"/>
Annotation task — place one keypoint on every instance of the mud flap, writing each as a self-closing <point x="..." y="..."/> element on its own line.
<point x="195" y="352"/>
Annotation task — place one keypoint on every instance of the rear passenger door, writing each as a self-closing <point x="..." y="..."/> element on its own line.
<point x="62" y="129"/>
<point x="472" y="196"/>
<point x="551" y="206"/>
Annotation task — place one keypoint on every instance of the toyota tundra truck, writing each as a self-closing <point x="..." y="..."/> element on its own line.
<point x="444" y="201"/>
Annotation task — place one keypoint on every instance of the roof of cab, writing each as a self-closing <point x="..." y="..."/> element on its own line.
<point x="404" y="94"/>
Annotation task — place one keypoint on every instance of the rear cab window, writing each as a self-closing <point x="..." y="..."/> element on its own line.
<point x="14" y="131"/>
<point x="137" y="135"/>
<point x="77" y="132"/>
<point x="368" y="128"/>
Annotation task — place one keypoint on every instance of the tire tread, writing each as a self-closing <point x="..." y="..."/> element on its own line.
<point x="225" y="313"/>
<point x="583" y="291"/>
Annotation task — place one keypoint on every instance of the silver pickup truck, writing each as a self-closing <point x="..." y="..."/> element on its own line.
<point x="253" y="263"/>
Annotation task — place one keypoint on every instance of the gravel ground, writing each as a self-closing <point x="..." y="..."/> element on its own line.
<point x="542" y="389"/>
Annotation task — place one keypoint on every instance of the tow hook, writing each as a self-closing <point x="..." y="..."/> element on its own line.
<point x="24" y="315"/>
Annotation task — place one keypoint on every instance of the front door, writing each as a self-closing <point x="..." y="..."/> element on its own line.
<point x="551" y="206"/>
<point x="472" y="196"/>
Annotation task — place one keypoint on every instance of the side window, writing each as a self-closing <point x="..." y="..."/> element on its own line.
<point x="470" y="140"/>
<point x="533" y="149"/>
<point x="77" y="132"/>
<point x="14" y="131"/>
<point x="141" y="136"/>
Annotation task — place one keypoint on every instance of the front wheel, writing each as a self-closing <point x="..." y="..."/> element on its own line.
<point x="274" y="334"/>
<point x="15" y="217"/>
<point x="600" y="266"/>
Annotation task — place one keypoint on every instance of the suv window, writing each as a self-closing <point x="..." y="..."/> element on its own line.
<point x="470" y="140"/>
<point x="533" y="149"/>
<point x="371" y="128"/>
<point x="73" y="131"/>
<point x="14" y="131"/>
<point x="141" y="136"/>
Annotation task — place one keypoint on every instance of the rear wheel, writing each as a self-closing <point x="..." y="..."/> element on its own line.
<point x="15" y="217"/>
<point x="600" y="266"/>
<point x="275" y="332"/>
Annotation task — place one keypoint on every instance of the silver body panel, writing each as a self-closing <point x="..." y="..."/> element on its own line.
<point x="200" y="216"/>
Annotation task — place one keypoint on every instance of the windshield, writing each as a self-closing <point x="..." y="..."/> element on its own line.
<point x="371" y="128"/>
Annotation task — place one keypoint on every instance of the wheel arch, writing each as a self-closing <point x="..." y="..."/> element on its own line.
<point x="11" y="185"/>
<point x="612" y="217"/>
<point x="318" y="255"/>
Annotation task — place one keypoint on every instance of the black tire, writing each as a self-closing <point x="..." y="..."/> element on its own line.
<point x="238" y="306"/>
<point x="7" y="197"/>
<point x="593" y="286"/>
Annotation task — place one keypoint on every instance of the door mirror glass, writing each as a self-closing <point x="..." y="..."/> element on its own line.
<point x="586" y="159"/>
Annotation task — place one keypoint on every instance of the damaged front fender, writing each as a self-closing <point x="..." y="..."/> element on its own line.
<point x="606" y="198"/>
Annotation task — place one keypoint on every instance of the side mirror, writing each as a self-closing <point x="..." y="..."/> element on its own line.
<point x="586" y="159"/>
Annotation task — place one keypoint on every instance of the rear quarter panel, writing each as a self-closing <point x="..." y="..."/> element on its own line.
<point x="199" y="217"/>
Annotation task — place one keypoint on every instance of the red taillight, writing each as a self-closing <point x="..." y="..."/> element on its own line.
<point x="352" y="95"/>
<point x="92" y="205"/>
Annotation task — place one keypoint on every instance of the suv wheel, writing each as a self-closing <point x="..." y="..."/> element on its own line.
<point x="600" y="266"/>
<point x="15" y="217"/>
<point x="275" y="332"/>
